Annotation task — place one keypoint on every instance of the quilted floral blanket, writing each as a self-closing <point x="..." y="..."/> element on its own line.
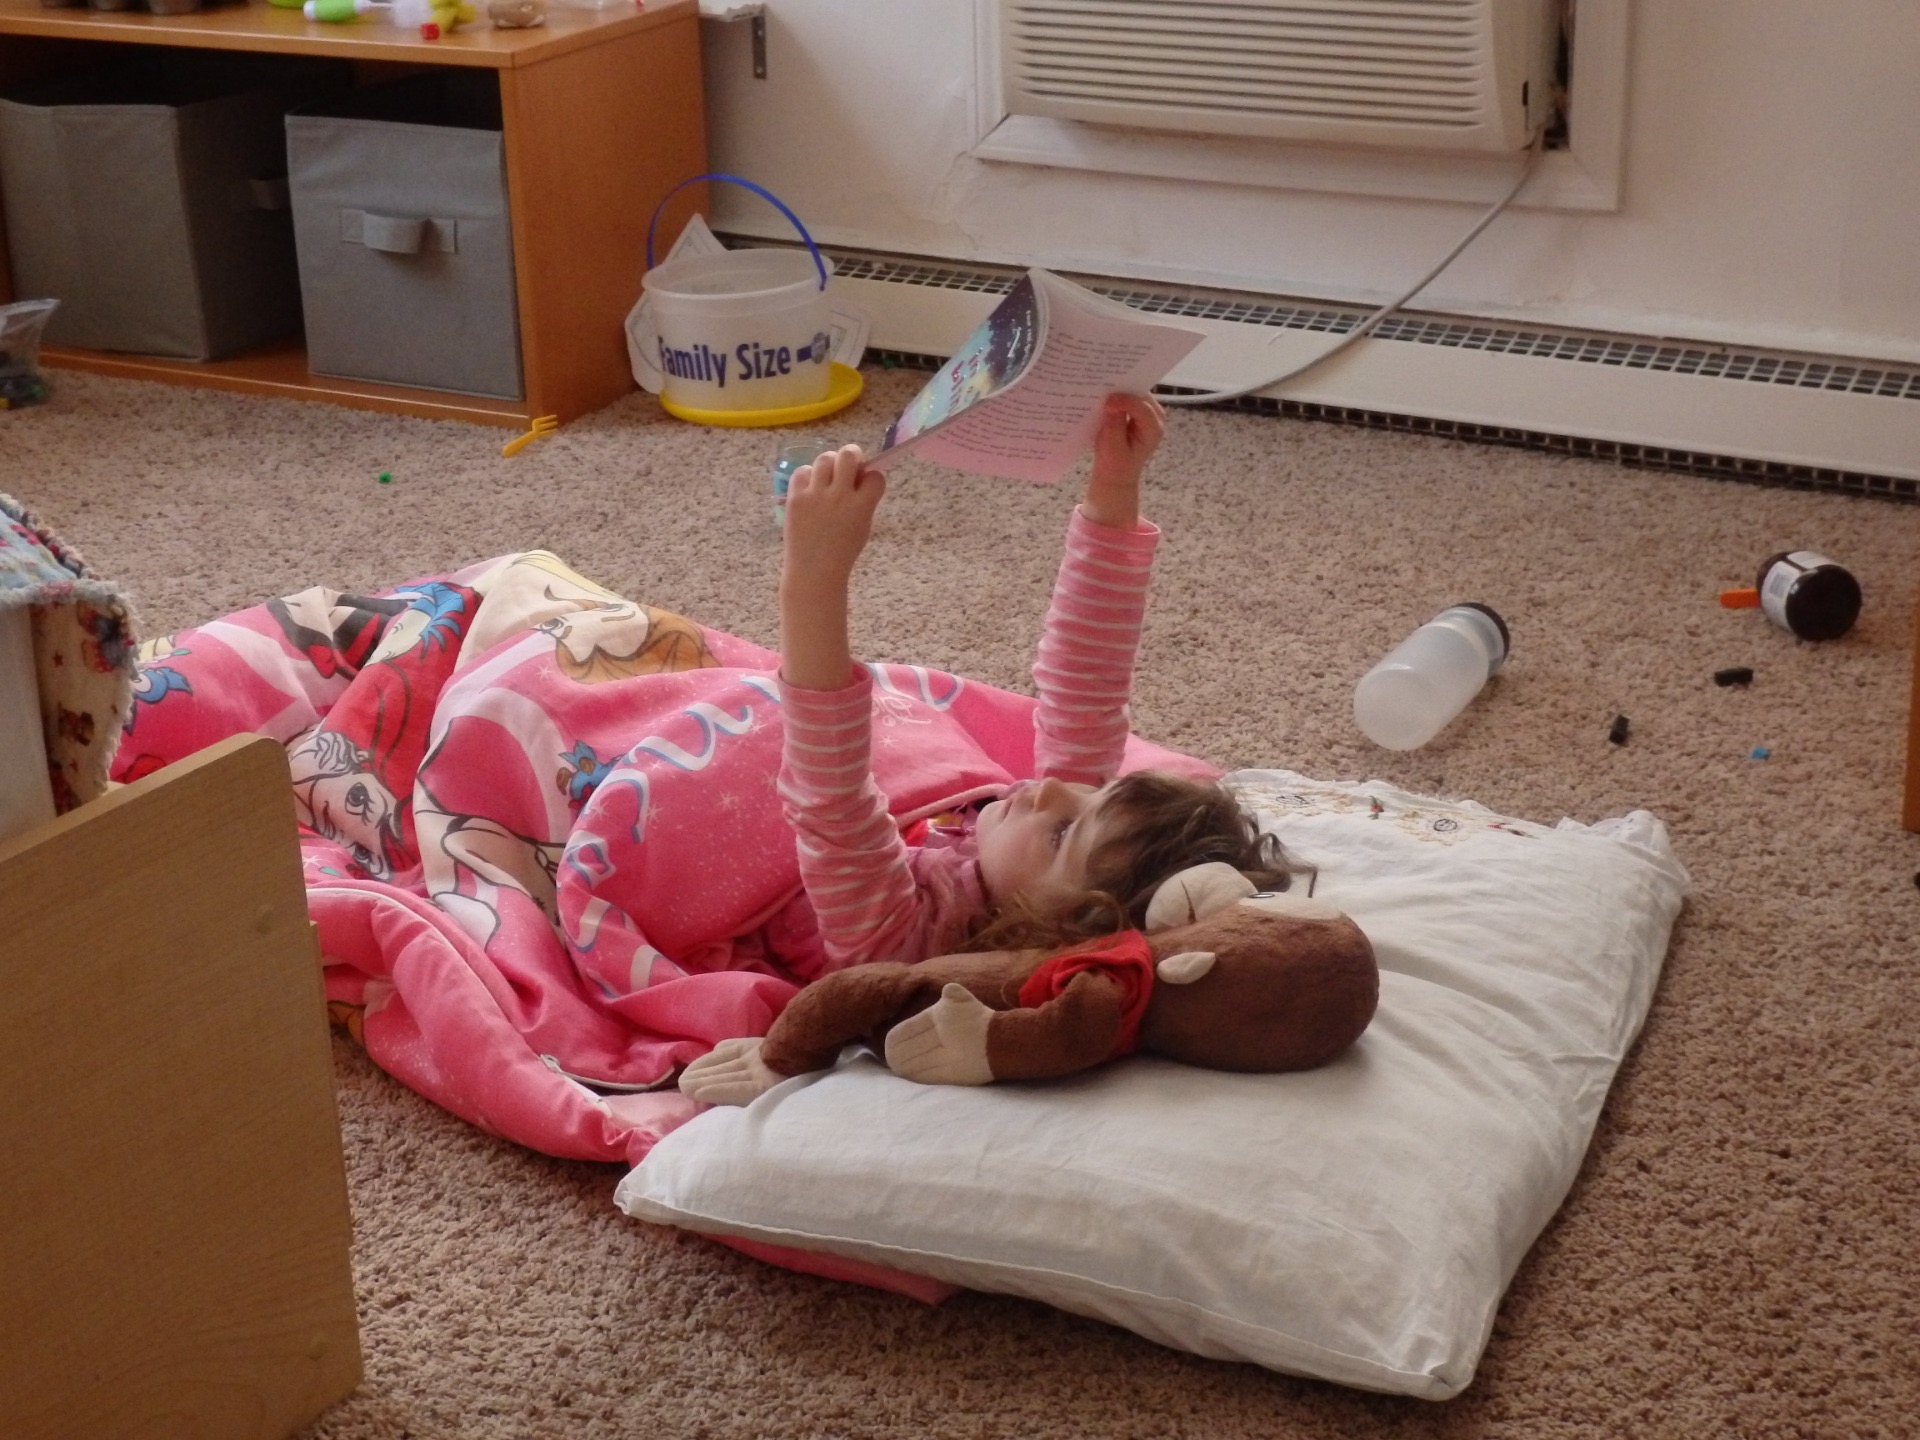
<point x="543" y="844"/>
<point x="81" y="634"/>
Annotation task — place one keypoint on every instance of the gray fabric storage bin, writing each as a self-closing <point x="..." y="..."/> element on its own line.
<point x="149" y="198"/>
<point x="400" y="216"/>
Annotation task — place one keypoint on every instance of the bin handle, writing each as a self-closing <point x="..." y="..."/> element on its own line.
<point x="399" y="234"/>
<point x="767" y="195"/>
<point x="396" y="234"/>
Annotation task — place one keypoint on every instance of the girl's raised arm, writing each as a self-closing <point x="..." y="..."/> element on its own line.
<point x="853" y="863"/>
<point x="830" y="507"/>
<point x="1084" y="668"/>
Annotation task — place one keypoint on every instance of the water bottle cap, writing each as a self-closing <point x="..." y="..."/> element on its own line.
<point x="1506" y="637"/>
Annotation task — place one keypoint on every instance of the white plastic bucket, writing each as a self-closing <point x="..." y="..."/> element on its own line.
<point x="739" y="332"/>
<point x="743" y="330"/>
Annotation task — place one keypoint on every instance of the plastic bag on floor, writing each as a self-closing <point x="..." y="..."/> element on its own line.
<point x="20" y="326"/>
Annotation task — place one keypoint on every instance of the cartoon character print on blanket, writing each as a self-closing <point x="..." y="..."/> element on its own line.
<point x="541" y="826"/>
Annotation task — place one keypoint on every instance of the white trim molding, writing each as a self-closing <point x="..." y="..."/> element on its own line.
<point x="1769" y="408"/>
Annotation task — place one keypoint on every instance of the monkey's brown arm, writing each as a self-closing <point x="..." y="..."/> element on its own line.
<point x="1073" y="1031"/>
<point x="838" y="1009"/>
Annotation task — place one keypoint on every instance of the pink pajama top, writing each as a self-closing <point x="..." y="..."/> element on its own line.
<point x="876" y="897"/>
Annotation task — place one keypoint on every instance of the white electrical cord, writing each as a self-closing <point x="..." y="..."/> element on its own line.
<point x="1372" y="322"/>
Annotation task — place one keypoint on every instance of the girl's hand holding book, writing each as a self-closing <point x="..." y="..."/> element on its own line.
<point x="1131" y="428"/>
<point x="830" y="506"/>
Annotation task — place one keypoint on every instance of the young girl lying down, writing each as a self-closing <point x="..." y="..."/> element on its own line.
<point x="1070" y="854"/>
<point x="558" y="844"/>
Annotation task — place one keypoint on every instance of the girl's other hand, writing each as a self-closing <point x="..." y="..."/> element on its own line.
<point x="830" y="506"/>
<point x="1131" y="428"/>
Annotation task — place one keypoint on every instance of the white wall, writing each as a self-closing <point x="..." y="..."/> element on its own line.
<point x="1771" y="190"/>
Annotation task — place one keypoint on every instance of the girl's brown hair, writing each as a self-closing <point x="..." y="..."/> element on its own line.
<point x="1157" y="825"/>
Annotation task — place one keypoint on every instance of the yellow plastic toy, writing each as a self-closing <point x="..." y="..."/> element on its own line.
<point x="434" y="17"/>
<point x="542" y="425"/>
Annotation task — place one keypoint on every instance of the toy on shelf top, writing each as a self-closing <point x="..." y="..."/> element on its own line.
<point x="337" y="12"/>
<point x="433" y="18"/>
<point x="517" y="14"/>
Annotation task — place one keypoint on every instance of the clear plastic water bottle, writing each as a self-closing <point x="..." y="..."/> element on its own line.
<point x="789" y="456"/>
<point x="1428" y="678"/>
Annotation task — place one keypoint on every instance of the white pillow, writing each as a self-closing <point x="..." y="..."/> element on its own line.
<point x="1358" y="1223"/>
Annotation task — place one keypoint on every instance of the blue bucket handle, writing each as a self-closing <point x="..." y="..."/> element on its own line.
<point x="767" y="195"/>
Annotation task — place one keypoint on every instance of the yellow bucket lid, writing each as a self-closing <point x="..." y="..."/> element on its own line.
<point x="843" y="388"/>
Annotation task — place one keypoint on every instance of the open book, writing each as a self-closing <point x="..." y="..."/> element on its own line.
<point x="1022" y="397"/>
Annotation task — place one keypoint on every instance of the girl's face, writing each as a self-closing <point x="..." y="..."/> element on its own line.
<point x="1034" y="842"/>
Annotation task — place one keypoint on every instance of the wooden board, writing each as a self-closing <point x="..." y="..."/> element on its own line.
<point x="281" y="370"/>
<point x="272" y="29"/>
<point x="594" y="138"/>
<point x="174" y="1229"/>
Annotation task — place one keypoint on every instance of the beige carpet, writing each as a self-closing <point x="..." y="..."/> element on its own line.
<point x="1739" y="1255"/>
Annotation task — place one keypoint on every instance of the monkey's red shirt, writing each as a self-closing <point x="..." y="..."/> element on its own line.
<point x="1125" y="958"/>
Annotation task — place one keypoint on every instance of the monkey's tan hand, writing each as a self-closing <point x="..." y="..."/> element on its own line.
<point x="945" y="1044"/>
<point x="732" y="1073"/>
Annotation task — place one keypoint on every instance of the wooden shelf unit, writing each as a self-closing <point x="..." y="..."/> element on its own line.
<point x="602" y="115"/>
<point x="174" y="1226"/>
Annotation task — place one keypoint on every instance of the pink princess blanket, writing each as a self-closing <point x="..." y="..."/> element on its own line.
<point x="542" y="840"/>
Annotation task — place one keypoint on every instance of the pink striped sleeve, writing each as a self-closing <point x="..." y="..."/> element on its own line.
<point x="856" y="869"/>
<point x="1084" y="670"/>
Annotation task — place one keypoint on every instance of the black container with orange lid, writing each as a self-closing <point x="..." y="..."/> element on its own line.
<point x="1804" y="593"/>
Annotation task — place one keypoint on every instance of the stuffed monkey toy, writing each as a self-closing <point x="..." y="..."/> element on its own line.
<point x="1223" y="977"/>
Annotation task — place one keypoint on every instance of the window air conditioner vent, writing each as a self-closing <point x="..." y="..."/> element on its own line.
<point x="1410" y="74"/>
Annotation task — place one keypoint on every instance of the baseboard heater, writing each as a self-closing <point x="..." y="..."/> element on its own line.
<point x="1767" y="417"/>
